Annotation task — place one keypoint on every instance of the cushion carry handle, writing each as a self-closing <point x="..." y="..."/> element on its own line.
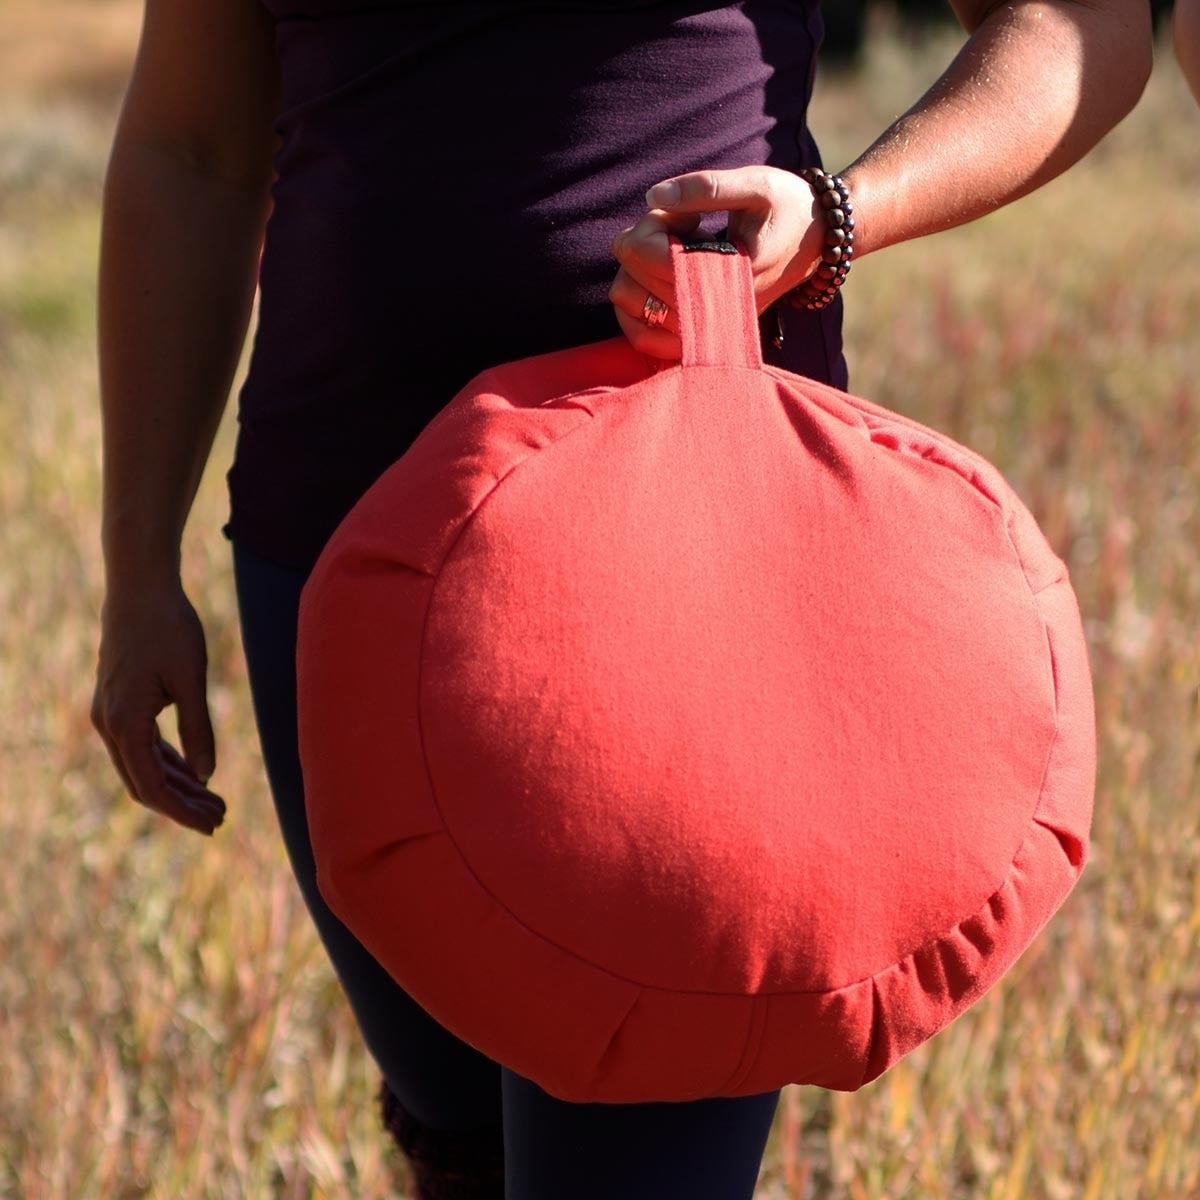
<point x="714" y="294"/>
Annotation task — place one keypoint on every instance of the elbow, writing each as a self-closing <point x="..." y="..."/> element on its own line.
<point x="1132" y="53"/>
<point x="1185" y="36"/>
<point x="1137" y="77"/>
<point x="1116" y="57"/>
<point x="1141" y="59"/>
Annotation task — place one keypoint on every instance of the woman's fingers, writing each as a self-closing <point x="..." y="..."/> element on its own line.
<point x="644" y="249"/>
<point x="114" y="754"/>
<point x="643" y="292"/>
<point x="651" y="304"/>
<point x="195" y="724"/>
<point x="658" y="343"/>
<point x="644" y="252"/>
<point x="772" y="213"/>
<point x="646" y="314"/>
<point x="191" y="791"/>
<point x="716" y="191"/>
<point x="152" y="656"/>
<point x="155" y="774"/>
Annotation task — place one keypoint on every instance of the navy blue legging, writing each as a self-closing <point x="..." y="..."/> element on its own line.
<point x="552" y="1148"/>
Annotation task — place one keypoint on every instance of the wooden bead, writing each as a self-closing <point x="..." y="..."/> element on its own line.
<point x="838" y="249"/>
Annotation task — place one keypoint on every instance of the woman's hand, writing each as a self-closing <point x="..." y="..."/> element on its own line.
<point x="152" y="655"/>
<point x="185" y="203"/>
<point x="771" y="213"/>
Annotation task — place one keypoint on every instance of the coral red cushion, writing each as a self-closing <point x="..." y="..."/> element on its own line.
<point x="689" y="731"/>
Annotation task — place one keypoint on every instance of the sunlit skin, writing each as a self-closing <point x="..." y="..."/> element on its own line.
<point x="1033" y="89"/>
<point x="1035" y="86"/>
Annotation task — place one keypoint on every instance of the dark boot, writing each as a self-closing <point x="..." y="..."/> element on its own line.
<point x="446" y="1165"/>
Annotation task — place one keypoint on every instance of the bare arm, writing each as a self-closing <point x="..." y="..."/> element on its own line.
<point x="1036" y="85"/>
<point x="1034" y="88"/>
<point x="1186" y="36"/>
<point x="185" y="201"/>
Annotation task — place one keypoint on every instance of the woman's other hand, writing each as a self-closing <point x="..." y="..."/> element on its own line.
<point x="771" y="213"/>
<point x="152" y="655"/>
<point x="185" y="203"/>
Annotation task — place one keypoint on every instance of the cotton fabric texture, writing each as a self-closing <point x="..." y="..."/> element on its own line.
<point x="686" y="730"/>
<point x="537" y="125"/>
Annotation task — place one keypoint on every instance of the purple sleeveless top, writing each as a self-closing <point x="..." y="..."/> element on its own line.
<point x="449" y="183"/>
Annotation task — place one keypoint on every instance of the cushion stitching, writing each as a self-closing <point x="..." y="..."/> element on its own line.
<point x="652" y="987"/>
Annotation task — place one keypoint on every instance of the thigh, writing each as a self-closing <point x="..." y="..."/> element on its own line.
<point x="440" y="1080"/>
<point x="709" y="1148"/>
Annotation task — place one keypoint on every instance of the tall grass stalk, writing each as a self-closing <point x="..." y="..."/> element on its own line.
<point x="170" y="1027"/>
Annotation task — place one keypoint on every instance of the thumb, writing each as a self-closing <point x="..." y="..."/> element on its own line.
<point x="713" y="191"/>
<point x="195" y="729"/>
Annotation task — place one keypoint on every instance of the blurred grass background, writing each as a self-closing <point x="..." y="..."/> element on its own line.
<point x="168" y="1026"/>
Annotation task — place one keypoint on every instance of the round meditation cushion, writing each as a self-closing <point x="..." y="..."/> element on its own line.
<point x="686" y="729"/>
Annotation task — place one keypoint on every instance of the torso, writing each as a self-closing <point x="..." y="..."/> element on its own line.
<point x="449" y="184"/>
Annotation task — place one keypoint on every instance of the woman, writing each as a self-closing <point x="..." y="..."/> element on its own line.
<point x="447" y="182"/>
<point x="1186" y="36"/>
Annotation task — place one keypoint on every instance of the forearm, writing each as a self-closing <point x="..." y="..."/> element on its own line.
<point x="178" y="265"/>
<point x="1036" y="86"/>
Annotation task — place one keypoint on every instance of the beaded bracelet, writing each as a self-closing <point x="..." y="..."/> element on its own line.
<point x="822" y="285"/>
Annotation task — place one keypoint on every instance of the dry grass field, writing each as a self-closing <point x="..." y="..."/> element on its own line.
<point x="168" y="1026"/>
